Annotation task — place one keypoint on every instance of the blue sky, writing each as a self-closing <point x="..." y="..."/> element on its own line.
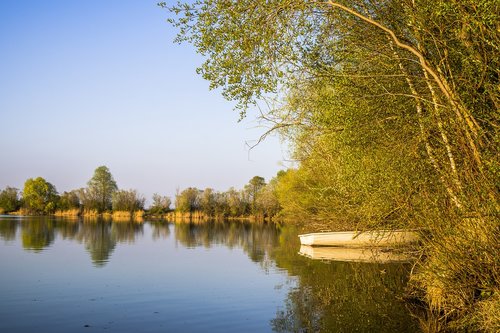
<point x="89" y="83"/>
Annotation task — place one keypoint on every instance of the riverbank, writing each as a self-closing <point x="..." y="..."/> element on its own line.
<point x="173" y="216"/>
<point x="200" y="216"/>
<point x="458" y="275"/>
<point x="125" y="216"/>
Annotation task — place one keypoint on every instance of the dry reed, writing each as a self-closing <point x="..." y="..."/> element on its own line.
<point x="460" y="276"/>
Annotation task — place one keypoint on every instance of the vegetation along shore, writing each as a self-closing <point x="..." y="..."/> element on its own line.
<point x="257" y="201"/>
<point x="391" y="110"/>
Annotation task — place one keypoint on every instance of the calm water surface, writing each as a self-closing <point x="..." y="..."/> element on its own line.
<point x="90" y="276"/>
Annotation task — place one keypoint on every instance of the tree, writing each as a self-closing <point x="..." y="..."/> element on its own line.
<point x="237" y="205"/>
<point x="267" y="201"/>
<point x="221" y="204"/>
<point x="160" y="205"/>
<point x="40" y="196"/>
<point x="101" y="188"/>
<point x="392" y="109"/>
<point x="9" y="199"/>
<point x="86" y="199"/>
<point x="188" y="200"/>
<point x="129" y="201"/>
<point x="208" y="202"/>
<point x="391" y="51"/>
<point x="69" y="200"/>
<point x="254" y="186"/>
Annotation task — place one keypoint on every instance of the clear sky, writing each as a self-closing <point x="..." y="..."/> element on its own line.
<point x="88" y="83"/>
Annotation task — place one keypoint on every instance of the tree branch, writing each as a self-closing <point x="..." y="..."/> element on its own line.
<point x="443" y="86"/>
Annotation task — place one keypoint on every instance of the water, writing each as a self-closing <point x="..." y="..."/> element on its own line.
<point x="86" y="276"/>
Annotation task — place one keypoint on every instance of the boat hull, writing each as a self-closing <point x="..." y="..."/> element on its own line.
<point x="383" y="238"/>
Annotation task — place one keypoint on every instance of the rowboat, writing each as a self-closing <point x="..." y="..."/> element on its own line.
<point x="386" y="238"/>
<point x="349" y="254"/>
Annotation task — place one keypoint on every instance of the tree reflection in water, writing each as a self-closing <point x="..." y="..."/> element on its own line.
<point x="37" y="234"/>
<point x="325" y="297"/>
<point x="8" y="230"/>
<point x="335" y="296"/>
<point x="98" y="241"/>
<point x="99" y="236"/>
<point x="329" y="296"/>
<point x="161" y="230"/>
<point x="256" y="239"/>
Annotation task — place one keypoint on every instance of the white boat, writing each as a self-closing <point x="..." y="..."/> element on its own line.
<point x="372" y="255"/>
<point x="373" y="238"/>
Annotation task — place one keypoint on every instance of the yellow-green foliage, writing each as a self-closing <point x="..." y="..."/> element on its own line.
<point x="384" y="137"/>
<point x="461" y="275"/>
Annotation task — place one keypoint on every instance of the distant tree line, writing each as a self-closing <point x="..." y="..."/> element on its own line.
<point x="257" y="198"/>
<point x="40" y="197"/>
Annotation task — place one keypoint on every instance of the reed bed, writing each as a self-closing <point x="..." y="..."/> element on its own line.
<point x="460" y="277"/>
<point x="127" y="216"/>
<point x="68" y="213"/>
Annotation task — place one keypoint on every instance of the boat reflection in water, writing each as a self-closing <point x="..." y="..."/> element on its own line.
<point x="368" y="255"/>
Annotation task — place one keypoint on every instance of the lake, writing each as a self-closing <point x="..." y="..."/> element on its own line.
<point x="63" y="275"/>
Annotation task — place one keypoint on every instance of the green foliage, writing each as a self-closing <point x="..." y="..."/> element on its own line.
<point x="252" y="190"/>
<point x="359" y="169"/>
<point x="208" y="202"/>
<point x="391" y="109"/>
<point x="9" y="199"/>
<point x="257" y="199"/>
<point x="267" y="203"/>
<point x="248" y="44"/>
<point x="40" y="196"/>
<point x="100" y="190"/>
<point x="435" y="92"/>
<point x="69" y="200"/>
<point x="129" y="201"/>
<point x="160" y="205"/>
<point x="236" y="203"/>
<point x="86" y="198"/>
<point x="188" y="200"/>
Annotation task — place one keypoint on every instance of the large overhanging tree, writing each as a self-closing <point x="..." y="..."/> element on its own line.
<point x="392" y="109"/>
<point x="437" y="58"/>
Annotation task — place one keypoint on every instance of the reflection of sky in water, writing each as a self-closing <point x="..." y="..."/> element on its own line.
<point x="153" y="277"/>
<point x="146" y="285"/>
